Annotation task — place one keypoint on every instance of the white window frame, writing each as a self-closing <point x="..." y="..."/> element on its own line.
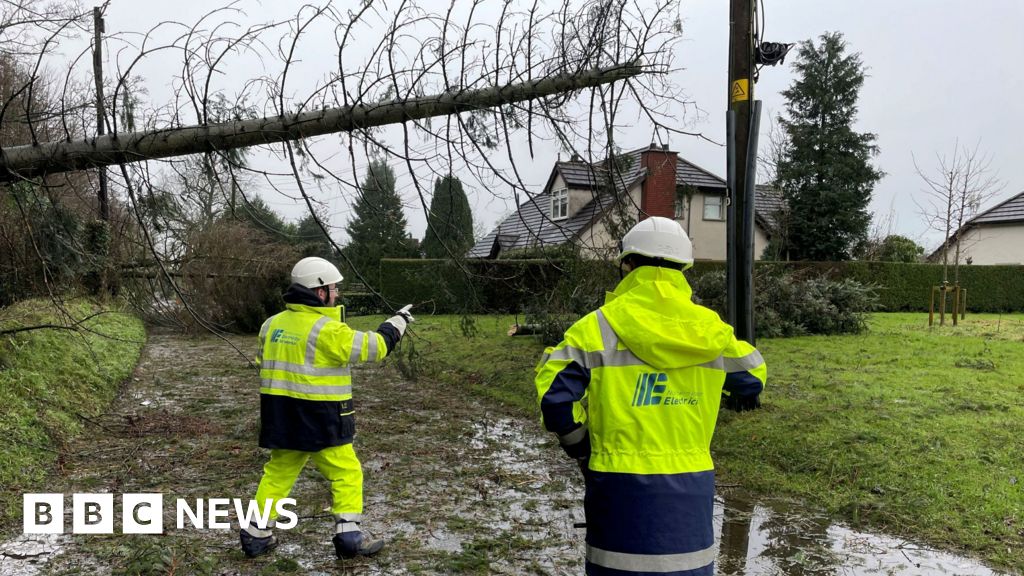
<point x="720" y="204"/>
<point x="560" y="204"/>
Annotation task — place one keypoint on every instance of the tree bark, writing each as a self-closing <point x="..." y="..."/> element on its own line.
<point x="21" y="162"/>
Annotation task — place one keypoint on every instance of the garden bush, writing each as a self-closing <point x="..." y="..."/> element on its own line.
<point x="792" y="304"/>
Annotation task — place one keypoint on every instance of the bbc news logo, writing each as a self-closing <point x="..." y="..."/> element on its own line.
<point x="144" y="513"/>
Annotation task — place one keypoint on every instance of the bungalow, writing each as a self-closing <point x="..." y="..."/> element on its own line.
<point x="583" y="202"/>
<point x="996" y="236"/>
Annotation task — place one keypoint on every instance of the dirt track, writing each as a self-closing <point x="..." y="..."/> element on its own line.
<point x="452" y="486"/>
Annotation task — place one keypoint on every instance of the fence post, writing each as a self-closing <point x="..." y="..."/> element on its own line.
<point x="956" y="304"/>
<point x="931" y="308"/>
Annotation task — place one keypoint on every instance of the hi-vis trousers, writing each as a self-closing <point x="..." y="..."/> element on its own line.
<point x="338" y="464"/>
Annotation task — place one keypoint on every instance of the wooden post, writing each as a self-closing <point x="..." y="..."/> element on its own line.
<point x="963" y="307"/>
<point x="956" y="304"/>
<point x="97" y="68"/>
<point x="931" y="308"/>
<point x="739" y="219"/>
<point x="942" y="305"/>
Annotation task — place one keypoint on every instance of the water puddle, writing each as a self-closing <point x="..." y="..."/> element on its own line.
<point x="757" y="540"/>
<point x="28" y="554"/>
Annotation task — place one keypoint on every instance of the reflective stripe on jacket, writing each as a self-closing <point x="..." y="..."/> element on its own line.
<point x="305" y="377"/>
<point x="307" y="352"/>
<point x="651" y="365"/>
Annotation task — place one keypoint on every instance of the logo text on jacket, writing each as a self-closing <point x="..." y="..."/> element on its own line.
<point x="650" y="391"/>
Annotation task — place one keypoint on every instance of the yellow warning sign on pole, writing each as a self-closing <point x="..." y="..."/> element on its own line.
<point x="740" y="90"/>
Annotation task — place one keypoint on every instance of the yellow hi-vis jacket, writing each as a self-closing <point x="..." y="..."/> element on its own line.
<point x="306" y="381"/>
<point x="652" y="366"/>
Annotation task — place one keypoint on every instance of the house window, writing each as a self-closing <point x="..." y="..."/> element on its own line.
<point x="680" y="209"/>
<point x="714" y="207"/>
<point x="559" y="204"/>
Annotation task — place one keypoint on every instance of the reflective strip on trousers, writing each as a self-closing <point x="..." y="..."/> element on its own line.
<point x="305" y="369"/>
<point x="743" y="363"/>
<point x="651" y="562"/>
<point x="312" y="389"/>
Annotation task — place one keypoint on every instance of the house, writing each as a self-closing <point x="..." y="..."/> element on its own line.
<point x="996" y="236"/>
<point x="581" y="203"/>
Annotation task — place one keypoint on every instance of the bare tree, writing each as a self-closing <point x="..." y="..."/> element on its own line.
<point x="467" y="89"/>
<point x="769" y="155"/>
<point x="954" y="191"/>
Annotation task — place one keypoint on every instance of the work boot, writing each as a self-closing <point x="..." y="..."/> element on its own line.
<point x="349" y="541"/>
<point x="256" y="542"/>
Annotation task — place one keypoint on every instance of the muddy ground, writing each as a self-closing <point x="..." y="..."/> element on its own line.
<point x="454" y="485"/>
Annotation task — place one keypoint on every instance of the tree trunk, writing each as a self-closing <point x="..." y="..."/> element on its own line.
<point x="52" y="157"/>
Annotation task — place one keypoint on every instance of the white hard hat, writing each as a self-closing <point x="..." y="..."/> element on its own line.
<point x="658" y="237"/>
<point x="313" y="272"/>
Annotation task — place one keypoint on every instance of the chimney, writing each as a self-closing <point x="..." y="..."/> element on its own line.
<point x="658" y="192"/>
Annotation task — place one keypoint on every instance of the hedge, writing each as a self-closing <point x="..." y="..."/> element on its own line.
<point x="907" y="287"/>
<point x="442" y="286"/>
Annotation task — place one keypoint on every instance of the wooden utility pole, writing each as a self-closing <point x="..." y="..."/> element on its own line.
<point x="741" y="168"/>
<point x="97" y="68"/>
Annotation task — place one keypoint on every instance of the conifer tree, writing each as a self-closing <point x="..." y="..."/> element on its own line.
<point x="825" y="172"/>
<point x="377" y="228"/>
<point x="450" y="221"/>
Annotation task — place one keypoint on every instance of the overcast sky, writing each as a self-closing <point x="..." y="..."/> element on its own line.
<point x="938" y="71"/>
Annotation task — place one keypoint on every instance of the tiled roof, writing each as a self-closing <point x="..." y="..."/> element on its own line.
<point x="1011" y="210"/>
<point x="1008" y="211"/>
<point x="767" y="203"/>
<point x="689" y="173"/>
<point x="532" y="226"/>
<point x="579" y="174"/>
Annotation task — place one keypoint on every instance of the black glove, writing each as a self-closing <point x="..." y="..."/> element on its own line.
<point x="579" y="450"/>
<point x="739" y="403"/>
<point x="584" y="464"/>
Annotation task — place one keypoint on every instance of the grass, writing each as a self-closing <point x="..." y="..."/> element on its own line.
<point x="913" y="431"/>
<point x="51" y="381"/>
<point x="473" y="352"/>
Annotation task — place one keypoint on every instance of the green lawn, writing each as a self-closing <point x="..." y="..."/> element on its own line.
<point x="909" y="430"/>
